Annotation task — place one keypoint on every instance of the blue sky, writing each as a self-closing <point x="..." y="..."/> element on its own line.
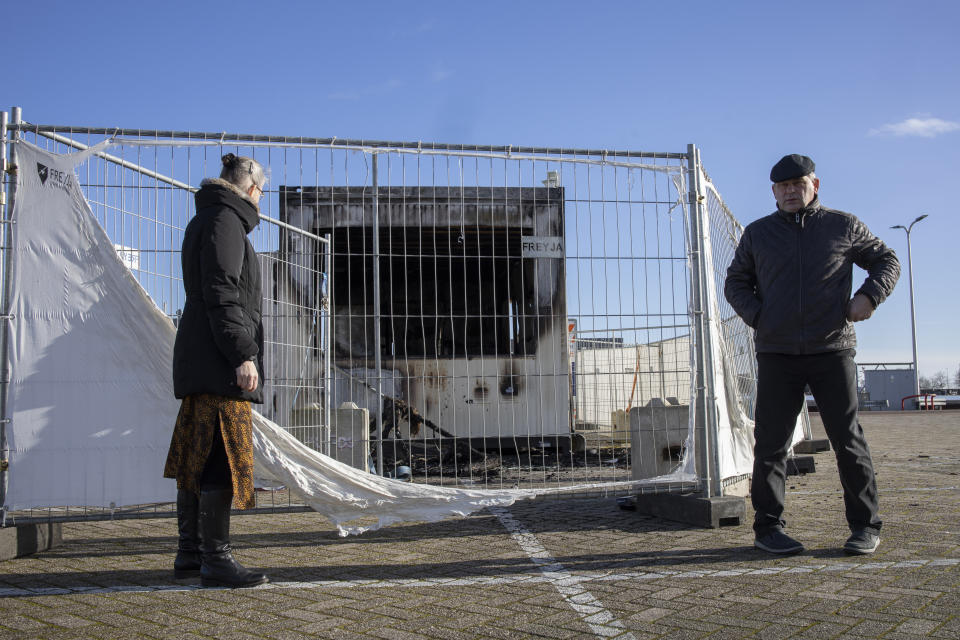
<point x="870" y="90"/>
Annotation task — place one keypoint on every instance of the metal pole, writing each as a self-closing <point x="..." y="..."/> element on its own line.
<point x="913" y="315"/>
<point x="328" y="339"/>
<point x="705" y="421"/>
<point x="913" y="321"/>
<point x="4" y="119"/>
<point x="368" y="146"/>
<point x="378" y="365"/>
<point x="5" y="316"/>
<point x="4" y="460"/>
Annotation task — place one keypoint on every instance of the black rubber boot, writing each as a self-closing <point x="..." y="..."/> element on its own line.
<point x="219" y="569"/>
<point x="187" y="563"/>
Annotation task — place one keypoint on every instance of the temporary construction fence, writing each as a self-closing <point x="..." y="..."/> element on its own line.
<point x="483" y="317"/>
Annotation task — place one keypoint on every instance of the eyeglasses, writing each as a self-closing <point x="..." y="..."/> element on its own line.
<point x="260" y="189"/>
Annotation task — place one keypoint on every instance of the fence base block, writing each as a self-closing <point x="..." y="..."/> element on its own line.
<point x="812" y="446"/>
<point x="799" y="465"/>
<point x="715" y="512"/>
<point x="27" y="539"/>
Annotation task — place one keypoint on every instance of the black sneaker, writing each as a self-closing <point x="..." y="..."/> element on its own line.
<point x="776" y="541"/>
<point x="861" y="543"/>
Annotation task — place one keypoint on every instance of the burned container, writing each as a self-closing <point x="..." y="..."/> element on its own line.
<point x="471" y="298"/>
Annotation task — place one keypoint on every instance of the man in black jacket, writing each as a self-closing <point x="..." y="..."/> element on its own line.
<point x="791" y="280"/>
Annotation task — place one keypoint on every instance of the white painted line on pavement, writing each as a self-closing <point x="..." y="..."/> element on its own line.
<point x="882" y="490"/>
<point x="570" y="586"/>
<point x="483" y="581"/>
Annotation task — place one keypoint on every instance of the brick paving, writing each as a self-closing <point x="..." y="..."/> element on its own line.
<point x="542" y="569"/>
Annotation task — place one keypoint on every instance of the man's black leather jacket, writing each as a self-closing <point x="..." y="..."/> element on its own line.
<point x="792" y="274"/>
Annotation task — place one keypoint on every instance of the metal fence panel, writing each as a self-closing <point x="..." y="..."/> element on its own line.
<point x="504" y="317"/>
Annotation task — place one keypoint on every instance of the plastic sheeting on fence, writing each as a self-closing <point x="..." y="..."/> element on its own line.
<point x="90" y="416"/>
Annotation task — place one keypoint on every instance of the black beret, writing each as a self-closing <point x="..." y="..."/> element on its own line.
<point x="791" y="166"/>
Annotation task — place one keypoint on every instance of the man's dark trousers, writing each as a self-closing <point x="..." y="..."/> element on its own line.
<point x="780" y="395"/>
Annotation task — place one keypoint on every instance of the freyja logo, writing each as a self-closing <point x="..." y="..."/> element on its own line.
<point x="59" y="179"/>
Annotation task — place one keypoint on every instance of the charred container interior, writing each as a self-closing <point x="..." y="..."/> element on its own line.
<point x="471" y="296"/>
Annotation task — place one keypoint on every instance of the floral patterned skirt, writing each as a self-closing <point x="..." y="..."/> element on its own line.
<point x="201" y="415"/>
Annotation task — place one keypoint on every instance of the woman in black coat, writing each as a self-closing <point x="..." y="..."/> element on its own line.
<point x="217" y="373"/>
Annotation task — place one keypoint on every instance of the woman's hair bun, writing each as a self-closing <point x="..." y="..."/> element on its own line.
<point x="242" y="171"/>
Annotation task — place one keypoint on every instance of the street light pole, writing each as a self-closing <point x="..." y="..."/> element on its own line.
<point x="913" y="315"/>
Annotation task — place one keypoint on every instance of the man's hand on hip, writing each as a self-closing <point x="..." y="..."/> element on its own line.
<point x="859" y="308"/>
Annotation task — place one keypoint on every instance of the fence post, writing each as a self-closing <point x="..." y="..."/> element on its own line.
<point x="327" y="328"/>
<point x="5" y="313"/>
<point x="705" y="425"/>
<point x="3" y="400"/>
<point x="378" y="364"/>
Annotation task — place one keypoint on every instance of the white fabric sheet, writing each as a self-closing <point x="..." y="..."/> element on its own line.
<point x="90" y="393"/>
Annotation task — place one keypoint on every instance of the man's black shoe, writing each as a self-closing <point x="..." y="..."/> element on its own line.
<point x="861" y="543"/>
<point x="776" y="541"/>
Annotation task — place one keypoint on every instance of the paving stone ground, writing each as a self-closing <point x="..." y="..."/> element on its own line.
<point x="542" y="569"/>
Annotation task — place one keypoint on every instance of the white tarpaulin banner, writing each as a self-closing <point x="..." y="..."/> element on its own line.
<point x="90" y="390"/>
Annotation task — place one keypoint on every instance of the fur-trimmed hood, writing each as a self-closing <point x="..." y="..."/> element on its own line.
<point x="217" y="191"/>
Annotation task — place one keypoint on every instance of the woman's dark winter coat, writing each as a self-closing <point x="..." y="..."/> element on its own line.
<point x="221" y="323"/>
